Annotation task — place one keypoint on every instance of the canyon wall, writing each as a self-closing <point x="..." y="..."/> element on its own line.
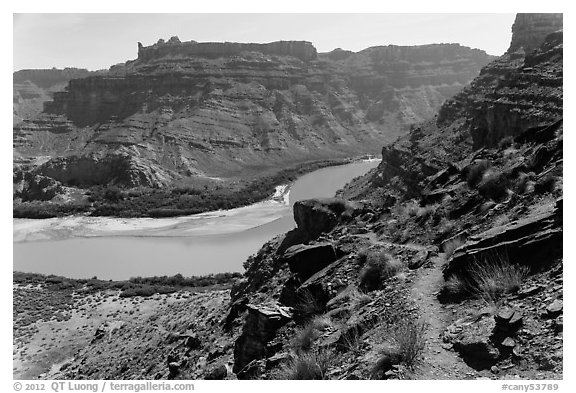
<point x="194" y="110"/>
<point x="302" y="50"/>
<point x="530" y="30"/>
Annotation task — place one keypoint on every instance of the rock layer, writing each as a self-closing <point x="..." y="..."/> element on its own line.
<point x="222" y="109"/>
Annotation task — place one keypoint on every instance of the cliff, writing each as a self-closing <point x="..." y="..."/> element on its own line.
<point x="32" y="88"/>
<point x="302" y="50"/>
<point x="199" y="110"/>
<point x="530" y="30"/>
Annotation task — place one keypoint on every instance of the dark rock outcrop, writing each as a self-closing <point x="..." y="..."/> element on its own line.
<point x="529" y="242"/>
<point x="316" y="216"/>
<point x="259" y="328"/>
<point x="305" y="260"/>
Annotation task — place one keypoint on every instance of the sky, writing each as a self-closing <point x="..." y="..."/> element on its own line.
<point x="97" y="41"/>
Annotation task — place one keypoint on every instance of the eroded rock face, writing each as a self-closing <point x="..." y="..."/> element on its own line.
<point x="306" y="260"/>
<point x="530" y="30"/>
<point x="530" y="242"/>
<point x="315" y="216"/>
<point x="302" y="50"/>
<point x="214" y="109"/>
<point x="121" y="169"/>
<point x="261" y="324"/>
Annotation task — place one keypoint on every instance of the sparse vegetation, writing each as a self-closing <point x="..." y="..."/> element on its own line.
<point x="523" y="183"/>
<point x="313" y="365"/>
<point x="305" y="337"/>
<point x="476" y="171"/>
<point x="494" y="185"/>
<point x="411" y="339"/>
<point x="545" y="185"/>
<point x="494" y="277"/>
<point x="307" y="305"/>
<point x="379" y="267"/>
<point x="506" y="142"/>
<point x="104" y="200"/>
<point x="139" y="286"/>
<point x="488" y="279"/>
<point x="351" y="341"/>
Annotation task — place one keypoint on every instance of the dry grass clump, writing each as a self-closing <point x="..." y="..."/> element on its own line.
<point x="476" y="171"/>
<point x="494" y="185"/>
<point x="379" y="267"/>
<point x="409" y="343"/>
<point x="455" y="289"/>
<point x="306" y="336"/>
<point x="312" y="365"/>
<point x="307" y="305"/>
<point x="411" y="340"/>
<point x="506" y="142"/>
<point x="545" y="185"/>
<point x="488" y="279"/>
<point x="495" y="277"/>
<point x="524" y="183"/>
<point x="351" y="341"/>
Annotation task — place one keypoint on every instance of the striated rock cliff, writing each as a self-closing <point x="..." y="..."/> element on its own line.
<point x="530" y="30"/>
<point x="302" y="50"/>
<point x="201" y="110"/>
<point x="32" y="88"/>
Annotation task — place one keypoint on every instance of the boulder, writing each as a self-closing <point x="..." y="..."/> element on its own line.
<point x="217" y="373"/>
<point x="259" y="328"/>
<point x="554" y="309"/>
<point x="305" y="260"/>
<point x="316" y="216"/>
<point x="472" y="339"/>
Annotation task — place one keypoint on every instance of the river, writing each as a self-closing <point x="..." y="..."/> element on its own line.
<point x="117" y="249"/>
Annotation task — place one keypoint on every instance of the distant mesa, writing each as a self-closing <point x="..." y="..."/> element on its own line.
<point x="303" y="50"/>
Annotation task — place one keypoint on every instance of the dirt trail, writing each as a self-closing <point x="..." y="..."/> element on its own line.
<point x="438" y="362"/>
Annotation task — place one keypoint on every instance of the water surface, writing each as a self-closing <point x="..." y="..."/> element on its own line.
<point x="202" y="244"/>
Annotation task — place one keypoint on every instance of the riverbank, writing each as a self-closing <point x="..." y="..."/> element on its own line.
<point x="120" y="248"/>
<point x="112" y="201"/>
<point x="216" y="222"/>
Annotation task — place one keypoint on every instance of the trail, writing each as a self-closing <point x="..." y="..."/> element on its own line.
<point x="438" y="361"/>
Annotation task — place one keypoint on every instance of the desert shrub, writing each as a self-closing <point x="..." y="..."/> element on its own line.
<point x="307" y="306"/>
<point x="506" y="142"/>
<point x="351" y="341"/>
<point x="545" y="185"/>
<point x="305" y="337"/>
<point x="379" y="267"/>
<point x="494" y="185"/>
<point x="426" y="211"/>
<point x="454" y="289"/>
<point x="312" y="365"/>
<point x="388" y="357"/>
<point x="411" y="209"/>
<point x="494" y="277"/>
<point x="411" y="340"/>
<point x="489" y="278"/>
<point x="522" y="184"/>
<point x="476" y="171"/>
